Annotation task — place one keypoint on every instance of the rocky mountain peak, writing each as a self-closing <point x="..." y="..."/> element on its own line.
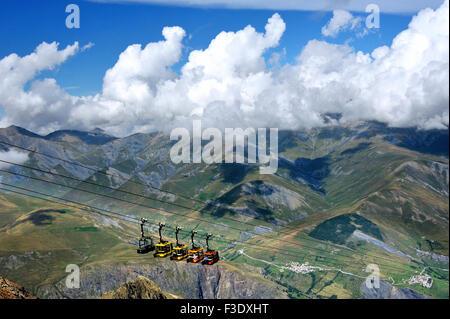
<point x="141" y="288"/>
<point x="17" y="130"/>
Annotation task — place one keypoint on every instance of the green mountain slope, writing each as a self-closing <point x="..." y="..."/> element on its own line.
<point x="343" y="197"/>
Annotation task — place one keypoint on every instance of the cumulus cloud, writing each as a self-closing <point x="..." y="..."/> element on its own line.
<point x="134" y="77"/>
<point x="45" y="101"/>
<point x="12" y="156"/>
<point x="341" y="20"/>
<point x="404" y="85"/>
<point x="229" y="84"/>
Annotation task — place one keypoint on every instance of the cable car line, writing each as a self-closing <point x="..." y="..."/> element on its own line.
<point x="163" y="210"/>
<point x="191" y="217"/>
<point x="94" y="210"/>
<point x="134" y="182"/>
<point x="286" y="227"/>
<point x="124" y="217"/>
<point x="229" y="241"/>
<point x="90" y="211"/>
<point x="57" y="202"/>
<point x="284" y="231"/>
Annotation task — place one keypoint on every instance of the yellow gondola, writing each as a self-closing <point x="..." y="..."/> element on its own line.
<point x="180" y="251"/>
<point x="164" y="248"/>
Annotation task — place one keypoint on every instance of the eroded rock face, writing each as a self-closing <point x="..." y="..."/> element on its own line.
<point x="387" y="291"/>
<point x="10" y="290"/>
<point x="141" y="288"/>
<point x="275" y="195"/>
<point x="178" y="278"/>
<point x="434" y="256"/>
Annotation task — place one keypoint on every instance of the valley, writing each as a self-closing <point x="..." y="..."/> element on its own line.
<point x="344" y="196"/>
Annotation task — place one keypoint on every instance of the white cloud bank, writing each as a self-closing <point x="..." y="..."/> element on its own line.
<point x="12" y="156"/>
<point x="229" y="85"/>
<point x="387" y="6"/>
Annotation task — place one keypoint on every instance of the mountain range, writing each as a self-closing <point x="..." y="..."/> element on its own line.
<point x="344" y="196"/>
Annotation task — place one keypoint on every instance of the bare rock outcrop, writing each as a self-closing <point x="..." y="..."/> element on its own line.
<point x="11" y="290"/>
<point x="141" y="288"/>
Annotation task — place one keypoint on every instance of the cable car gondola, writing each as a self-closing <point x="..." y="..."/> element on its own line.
<point x="180" y="251"/>
<point x="196" y="254"/>
<point x="211" y="256"/>
<point x="164" y="248"/>
<point x="145" y="242"/>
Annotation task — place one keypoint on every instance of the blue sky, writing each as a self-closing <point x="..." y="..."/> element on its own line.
<point x="114" y="26"/>
<point x="389" y="74"/>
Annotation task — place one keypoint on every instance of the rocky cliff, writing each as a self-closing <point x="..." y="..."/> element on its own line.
<point x="10" y="290"/>
<point x="387" y="291"/>
<point x="141" y="288"/>
<point x="181" y="279"/>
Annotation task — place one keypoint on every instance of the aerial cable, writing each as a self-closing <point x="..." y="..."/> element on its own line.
<point x="178" y="214"/>
<point x="225" y="240"/>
